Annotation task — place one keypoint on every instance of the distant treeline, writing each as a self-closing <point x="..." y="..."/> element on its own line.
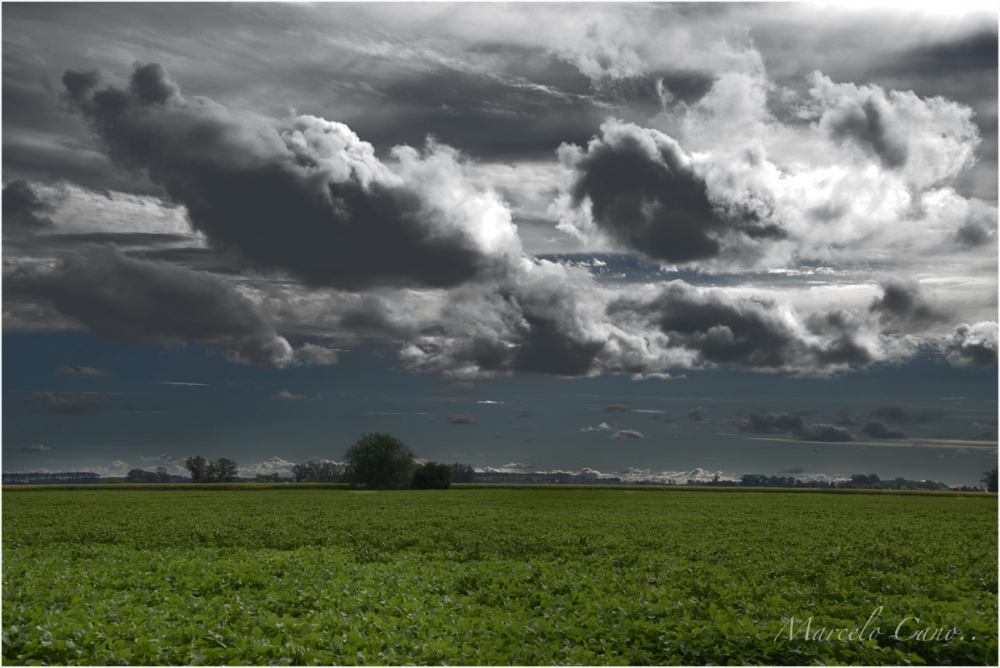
<point x="462" y="473"/>
<point x="856" y="481"/>
<point x="333" y="472"/>
<point x="68" y="478"/>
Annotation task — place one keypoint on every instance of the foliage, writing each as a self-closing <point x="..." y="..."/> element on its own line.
<point x="856" y="481"/>
<point x="140" y="475"/>
<point x="268" y="477"/>
<point x="202" y="470"/>
<point x="379" y="461"/>
<point x="293" y="575"/>
<point x="462" y="473"/>
<point x="69" y="477"/>
<point x="431" y="476"/>
<point x="318" y="472"/>
<point x="990" y="480"/>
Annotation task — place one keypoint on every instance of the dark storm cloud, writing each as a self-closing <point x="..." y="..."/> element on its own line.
<point x="616" y="408"/>
<point x="23" y="210"/>
<point x="138" y="301"/>
<point x="771" y="423"/>
<point x="751" y="334"/>
<point x="903" y="310"/>
<point x="973" y="345"/>
<point x="879" y="430"/>
<point x="76" y="404"/>
<point x="522" y="413"/>
<point x="549" y="349"/>
<point x="87" y="372"/>
<point x="309" y="198"/>
<point x="698" y="414"/>
<point x="463" y="418"/>
<point x="643" y="192"/>
<point x="971" y="235"/>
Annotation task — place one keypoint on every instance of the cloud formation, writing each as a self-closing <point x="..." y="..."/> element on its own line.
<point x="604" y="426"/>
<point x="74" y="404"/>
<point x="141" y="301"/>
<point x="285" y="395"/>
<point x="38" y="447"/>
<point x="304" y="195"/>
<point x="24" y="212"/>
<point x="752" y="333"/>
<point x="771" y="423"/>
<point x="462" y="418"/>
<point x="973" y="345"/>
<point x="637" y="186"/>
<point x="87" y="372"/>
<point x="903" y="309"/>
<point x="627" y="434"/>
<point x="929" y="140"/>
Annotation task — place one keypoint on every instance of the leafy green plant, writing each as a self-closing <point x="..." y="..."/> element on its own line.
<point x="306" y="574"/>
<point x="431" y="476"/>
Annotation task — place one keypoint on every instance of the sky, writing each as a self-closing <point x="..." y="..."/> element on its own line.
<point x="659" y="242"/>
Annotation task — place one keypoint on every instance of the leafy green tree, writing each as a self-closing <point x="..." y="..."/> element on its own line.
<point x="226" y="470"/>
<point x="198" y="466"/>
<point x="162" y="475"/>
<point x="462" y="473"/>
<point x="431" y="476"/>
<point x="379" y="461"/>
<point x="990" y="480"/>
<point x="202" y="470"/>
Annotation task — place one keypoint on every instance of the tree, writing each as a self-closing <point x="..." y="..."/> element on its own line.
<point x="226" y="470"/>
<point x="431" y="476"/>
<point x="325" y="471"/>
<point x="462" y="473"/>
<point x="198" y="466"/>
<point x="990" y="480"/>
<point x="202" y="470"/>
<point x="379" y="461"/>
<point x="162" y="475"/>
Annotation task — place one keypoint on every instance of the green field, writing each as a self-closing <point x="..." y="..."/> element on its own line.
<point x="496" y="576"/>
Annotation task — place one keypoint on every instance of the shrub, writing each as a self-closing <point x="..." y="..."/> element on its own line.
<point x="431" y="476"/>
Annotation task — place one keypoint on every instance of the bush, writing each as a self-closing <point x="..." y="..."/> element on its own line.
<point x="379" y="461"/>
<point x="431" y="476"/>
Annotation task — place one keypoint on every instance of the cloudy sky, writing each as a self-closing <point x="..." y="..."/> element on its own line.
<point x="662" y="239"/>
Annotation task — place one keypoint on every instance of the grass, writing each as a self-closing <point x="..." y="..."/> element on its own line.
<point x="531" y="575"/>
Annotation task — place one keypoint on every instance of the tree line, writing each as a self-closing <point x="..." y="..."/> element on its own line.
<point x="376" y="461"/>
